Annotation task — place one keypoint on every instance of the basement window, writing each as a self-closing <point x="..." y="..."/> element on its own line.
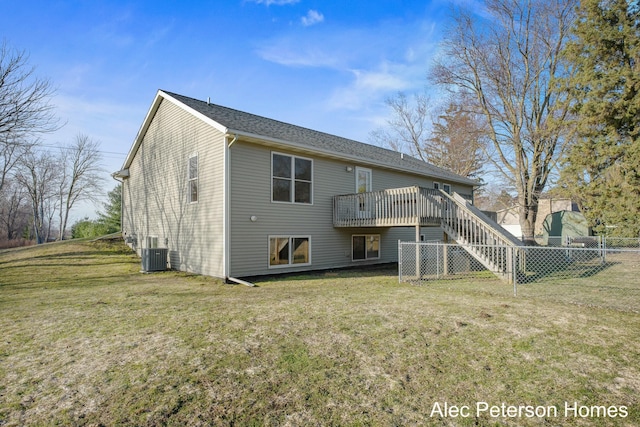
<point x="289" y="251"/>
<point x="364" y="247"/>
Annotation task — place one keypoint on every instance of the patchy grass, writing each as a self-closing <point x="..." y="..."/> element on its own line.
<point x="88" y="340"/>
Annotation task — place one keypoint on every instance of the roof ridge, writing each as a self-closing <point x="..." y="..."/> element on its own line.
<point x="292" y="125"/>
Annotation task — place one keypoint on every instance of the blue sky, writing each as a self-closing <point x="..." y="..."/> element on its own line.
<point x="326" y="65"/>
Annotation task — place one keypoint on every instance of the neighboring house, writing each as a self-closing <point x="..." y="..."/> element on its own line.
<point x="232" y="194"/>
<point x="510" y="220"/>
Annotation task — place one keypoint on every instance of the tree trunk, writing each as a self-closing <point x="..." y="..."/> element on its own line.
<point x="36" y="227"/>
<point x="528" y="215"/>
<point x="64" y="218"/>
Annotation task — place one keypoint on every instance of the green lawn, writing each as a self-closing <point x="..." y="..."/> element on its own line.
<point x="89" y="340"/>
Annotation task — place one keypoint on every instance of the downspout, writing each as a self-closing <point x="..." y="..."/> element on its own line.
<point x="227" y="207"/>
<point x="121" y="181"/>
<point x="227" y="225"/>
<point x="241" y="282"/>
<point x="235" y="138"/>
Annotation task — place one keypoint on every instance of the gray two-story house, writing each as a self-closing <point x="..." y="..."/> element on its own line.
<point x="232" y="194"/>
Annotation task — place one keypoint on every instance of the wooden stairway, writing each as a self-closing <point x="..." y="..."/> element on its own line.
<point x="484" y="239"/>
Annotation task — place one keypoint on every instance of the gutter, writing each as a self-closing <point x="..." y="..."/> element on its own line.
<point x="343" y="156"/>
<point x="120" y="175"/>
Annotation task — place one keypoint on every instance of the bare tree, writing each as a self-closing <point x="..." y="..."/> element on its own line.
<point x="25" y="108"/>
<point x="80" y="168"/>
<point x="494" y="197"/>
<point x="38" y="173"/>
<point x="11" y="151"/>
<point x="451" y="140"/>
<point x="12" y="209"/>
<point x="457" y="141"/>
<point x="508" y="62"/>
<point x="408" y="128"/>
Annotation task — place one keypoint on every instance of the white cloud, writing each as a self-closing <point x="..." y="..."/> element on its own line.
<point x="340" y="49"/>
<point x="313" y="17"/>
<point x="350" y="48"/>
<point x="300" y="52"/>
<point x="276" y="2"/>
<point x="114" y="124"/>
<point x="367" y="87"/>
<point x="363" y="65"/>
<point x="292" y="58"/>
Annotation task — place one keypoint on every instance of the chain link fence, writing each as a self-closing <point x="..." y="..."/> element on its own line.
<point x="582" y="271"/>
<point x="592" y="241"/>
<point x="620" y="242"/>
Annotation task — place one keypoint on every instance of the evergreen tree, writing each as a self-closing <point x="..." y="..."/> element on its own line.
<point x="88" y="228"/>
<point x="602" y="169"/>
<point x="108" y="222"/>
<point x="113" y="210"/>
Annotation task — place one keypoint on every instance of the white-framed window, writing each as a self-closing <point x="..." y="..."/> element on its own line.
<point x="446" y="188"/>
<point x="291" y="179"/>
<point x="152" y="242"/>
<point x="365" y="246"/>
<point x="287" y="251"/>
<point x="193" y="178"/>
<point x="436" y="185"/>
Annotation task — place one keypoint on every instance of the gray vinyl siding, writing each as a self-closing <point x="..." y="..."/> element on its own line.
<point x="250" y="195"/>
<point x="155" y="198"/>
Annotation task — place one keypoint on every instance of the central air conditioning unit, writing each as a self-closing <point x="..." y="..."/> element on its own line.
<point x="154" y="259"/>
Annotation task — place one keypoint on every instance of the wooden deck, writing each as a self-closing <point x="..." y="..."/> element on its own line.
<point x="415" y="206"/>
<point x="395" y="207"/>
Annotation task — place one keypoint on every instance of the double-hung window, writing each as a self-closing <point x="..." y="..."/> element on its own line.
<point x="289" y="251"/>
<point x="193" y="178"/>
<point x="446" y="188"/>
<point x="291" y="179"/>
<point x="365" y="247"/>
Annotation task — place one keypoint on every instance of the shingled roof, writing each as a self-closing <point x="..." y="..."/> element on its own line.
<point x="242" y="123"/>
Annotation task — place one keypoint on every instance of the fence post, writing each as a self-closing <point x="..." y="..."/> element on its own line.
<point x="399" y="261"/>
<point x="514" y="273"/>
<point x="438" y="246"/>
<point x="418" y="261"/>
<point x="445" y="259"/>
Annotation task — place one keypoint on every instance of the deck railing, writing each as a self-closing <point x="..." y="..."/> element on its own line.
<point x="394" y="207"/>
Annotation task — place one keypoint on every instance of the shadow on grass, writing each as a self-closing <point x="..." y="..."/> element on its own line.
<point x="78" y="280"/>
<point x="539" y="270"/>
